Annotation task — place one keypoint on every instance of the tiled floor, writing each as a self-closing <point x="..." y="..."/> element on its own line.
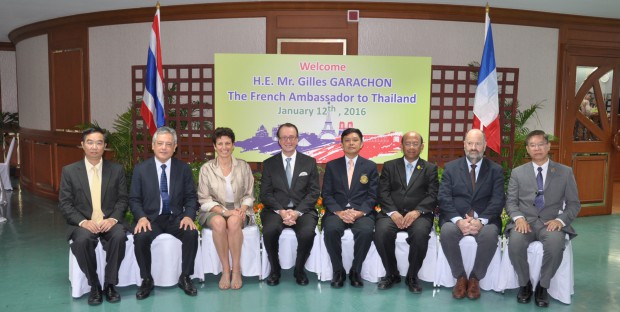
<point x="34" y="270"/>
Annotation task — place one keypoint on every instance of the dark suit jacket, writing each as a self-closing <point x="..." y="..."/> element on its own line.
<point x="560" y="192"/>
<point x="363" y="193"/>
<point x="74" y="198"/>
<point x="420" y="194"/>
<point x="145" y="198"/>
<point x="455" y="192"/>
<point x="304" y="191"/>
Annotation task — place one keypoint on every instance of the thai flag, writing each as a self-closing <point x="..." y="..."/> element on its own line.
<point x="486" y="104"/>
<point x="152" y="108"/>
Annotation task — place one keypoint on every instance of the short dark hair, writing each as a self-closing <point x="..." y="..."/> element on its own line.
<point x="223" y="131"/>
<point x="95" y="129"/>
<point x="536" y="133"/>
<point x="349" y="131"/>
<point x="402" y="138"/>
<point x="287" y="124"/>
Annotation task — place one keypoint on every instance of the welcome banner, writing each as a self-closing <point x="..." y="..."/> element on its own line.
<point x="383" y="96"/>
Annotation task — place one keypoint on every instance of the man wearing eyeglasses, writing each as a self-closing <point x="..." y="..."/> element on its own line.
<point x="408" y="195"/>
<point x="289" y="191"/>
<point x="93" y="199"/>
<point x="542" y="203"/>
<point x="471" y="199"/>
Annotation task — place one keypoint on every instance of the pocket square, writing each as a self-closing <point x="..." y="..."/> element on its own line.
<point x="303" y="174"/>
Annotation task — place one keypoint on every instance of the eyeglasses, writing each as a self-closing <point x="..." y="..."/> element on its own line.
<point x="288" y="138"/>
<point x="412" y="144"/>
<point x="476" y="144"/>
<point x="534" y="145"/>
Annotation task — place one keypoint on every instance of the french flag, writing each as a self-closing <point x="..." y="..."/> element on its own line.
<point x="486" y="103"/>
<point x="152" y="108"/>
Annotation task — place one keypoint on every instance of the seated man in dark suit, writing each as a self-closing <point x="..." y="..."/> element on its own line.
<point x="289" y="191"/>
<point x="350" y="195"/>
<point x="542" y="203"/>
<point x="408" y="195"/>
<point x="91" y="217"/>
<point x="471" y="199"/>
<point x="163" y="200"/>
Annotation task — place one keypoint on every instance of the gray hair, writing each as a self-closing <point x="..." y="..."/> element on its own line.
<point x="163" y="130"/>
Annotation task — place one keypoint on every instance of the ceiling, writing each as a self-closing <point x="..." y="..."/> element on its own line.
<point x="17" y="13"/>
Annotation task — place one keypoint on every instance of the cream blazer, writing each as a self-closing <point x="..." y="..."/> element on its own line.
<point x="212" y="185"/>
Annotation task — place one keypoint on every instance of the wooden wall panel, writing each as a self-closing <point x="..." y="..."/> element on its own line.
<point x="43" y="171"/>
<point x="69" y="87"/>
<point x="311" y="25"/>
<point x="590" y="181"/>
<point x="25" y="177"/>
<point x="43" y="154"/>
<point x="67" y="72"/>
<point x="65" y="155"/>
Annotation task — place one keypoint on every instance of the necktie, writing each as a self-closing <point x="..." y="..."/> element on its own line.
<point x="289" y="172"/>
<point x="539" y="201"/>
<point x="350" y="172"/>
<point x="409" y="172"/>
<point x="95" y="194"/>
<point x="163" y="188"/>
<point x="289" y="177"/>
<point x="472" y="174"/>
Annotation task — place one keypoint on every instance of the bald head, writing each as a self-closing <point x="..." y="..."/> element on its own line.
<point x="475" y="144"/>
<point x="412" y="145"/>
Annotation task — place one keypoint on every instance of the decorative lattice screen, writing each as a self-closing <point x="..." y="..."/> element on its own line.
<point x="189" y="106"/>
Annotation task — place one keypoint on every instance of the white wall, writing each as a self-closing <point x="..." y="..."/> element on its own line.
<point x="531" y="49"/>
<point x="8" y="79"/>
<point x="33" y="83"/>
<point x="114" y="49"/>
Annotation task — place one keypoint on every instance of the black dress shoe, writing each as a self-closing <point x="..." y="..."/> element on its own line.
<point x="301" y="278"/>
<point x="338" y="279"/>
<point x="525" y="293"/>
<point x="356" y="280"/>
<point x="541" y="297"/>
<point x="144" y="291"/>
<point x="414" y="284"/>
<point x="185" y="283"/>
<point x="274" y="278"/>
<point x="111" y="295"/>
<point x="388" y="281"/>
<point x="96" y="295"/>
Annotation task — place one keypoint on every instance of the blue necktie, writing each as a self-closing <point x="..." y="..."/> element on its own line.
<point x="539" y="201"/>
<point x="163" y="188"/>
<point x="409" y="172"/>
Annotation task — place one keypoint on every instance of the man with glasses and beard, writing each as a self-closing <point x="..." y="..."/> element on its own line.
<point x="471" y="199"/>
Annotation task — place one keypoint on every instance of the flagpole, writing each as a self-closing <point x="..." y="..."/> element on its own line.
<point x="488" y="8"/>
<point x="157" y="6"/>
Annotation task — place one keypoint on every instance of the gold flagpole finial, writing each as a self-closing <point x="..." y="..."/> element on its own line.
<point x="487" y="8"/>
<point x="157" y="5"/>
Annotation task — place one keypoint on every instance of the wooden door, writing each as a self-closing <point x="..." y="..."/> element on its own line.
<point x="589" y="123"/>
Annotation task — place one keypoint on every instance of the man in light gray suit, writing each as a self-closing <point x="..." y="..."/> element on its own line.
<point x="542" y="203"/>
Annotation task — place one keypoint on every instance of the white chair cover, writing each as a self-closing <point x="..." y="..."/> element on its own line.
<point x="165" y="267"/>
<point x="288" y="253"/>
<point x="427" y="271"/>
<point x="468" y="246"/>
<point x="5" y="168"/>
<point x="369" y="267"/>
<point x="250" y="252"/>
<point x="562" y="284"/>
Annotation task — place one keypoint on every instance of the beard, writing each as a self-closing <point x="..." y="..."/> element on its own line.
<point x="474" y="157"/>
